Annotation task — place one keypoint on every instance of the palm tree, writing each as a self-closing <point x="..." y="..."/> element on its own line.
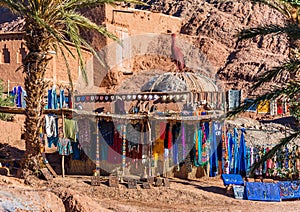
<point x="49" y="25"/>
<point x="288" y="70"/>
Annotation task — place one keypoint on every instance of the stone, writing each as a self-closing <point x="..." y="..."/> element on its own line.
<point x="96" y="181"/>
<point x="158" y="182"/>
<point x="150" y="180"/>
<point x="113" y="181"/>
<point x="146" y="185"/>
<point x="4" y="171"/>
<point x="132" y="184"/>
<point x="166" y="182"/>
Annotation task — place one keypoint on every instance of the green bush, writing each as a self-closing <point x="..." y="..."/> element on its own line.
<point x="5" y="101"/>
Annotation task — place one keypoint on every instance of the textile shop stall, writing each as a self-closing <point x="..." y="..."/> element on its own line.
<point x="174" y="121"/>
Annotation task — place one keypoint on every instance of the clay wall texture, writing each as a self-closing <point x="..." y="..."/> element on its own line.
<point x="13" y="50"/>
<point x="129" y="25"/>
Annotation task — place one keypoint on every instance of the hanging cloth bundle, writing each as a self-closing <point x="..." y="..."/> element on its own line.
<point x="198" y="145"/>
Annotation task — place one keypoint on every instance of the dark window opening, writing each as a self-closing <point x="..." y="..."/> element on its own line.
<point x="6" y="55"/>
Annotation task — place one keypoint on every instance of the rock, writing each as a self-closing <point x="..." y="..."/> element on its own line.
<point x="24" y="199"/>
<point x="75" y="202"/>
<point x="4" y="171"/>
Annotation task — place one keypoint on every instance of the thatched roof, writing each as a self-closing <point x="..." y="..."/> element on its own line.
<point x="180" y="82"/>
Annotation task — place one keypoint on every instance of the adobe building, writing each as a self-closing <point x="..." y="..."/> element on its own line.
<point x="122" y="22"/>
<point x="13" y="51"/>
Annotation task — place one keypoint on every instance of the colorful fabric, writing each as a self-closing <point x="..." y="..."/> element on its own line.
<point x="71" y="129"/>
<point x="62" y="103"/>
<point x="204" y="148"/>
<point x="50" y="125"/>
<point x="263" y="107"/>
<point x="235" y="151"/>
<point x="64" y="146"/>
<point x="242" y="167"/>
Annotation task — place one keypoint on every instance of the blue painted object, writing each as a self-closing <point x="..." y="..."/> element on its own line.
<point x="232" y="179"/>
<point x="289" y="189"/>
<point x="263" y="191"/>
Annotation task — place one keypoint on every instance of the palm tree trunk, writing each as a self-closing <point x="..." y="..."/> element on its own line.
<point x="35" y="65"/>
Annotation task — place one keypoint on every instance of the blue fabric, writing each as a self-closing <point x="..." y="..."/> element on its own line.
<point x="214" y="156"/>
<point x="175" y="135"/>
<point x="62" y="98"/>
<point x="50" y="99"/>
<point x="263" y="191"/>
<point x="76" y="151"/>
<point x="232" y="179"/>
<point x="54" y="98"/>
<point x="19" y="97"/>
<point x="242" y="161"/>
<point x="235" y="143"/>
<point x="289" y="189"/>
<point x="229" y="138"/>
<point x="52" y="140"/>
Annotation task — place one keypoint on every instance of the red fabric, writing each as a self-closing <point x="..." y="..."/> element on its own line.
<point x="162" y="131"/>
<point x="140" y="151"/>
<point x="279" y="110"/>
<point x="170" y="137"/>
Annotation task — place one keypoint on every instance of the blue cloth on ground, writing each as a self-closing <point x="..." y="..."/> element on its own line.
<point x="232" y="179"/>
<point x="289" y="189"/>
<point x="263" y="191"/>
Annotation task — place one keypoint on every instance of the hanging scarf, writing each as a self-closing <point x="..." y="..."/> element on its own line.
<point x="229" y="139"/>
<point x="242" y="154"/>
<point x="214" y="147"/>
<point x="235" y="142"/>
<point x="204" y="148"/>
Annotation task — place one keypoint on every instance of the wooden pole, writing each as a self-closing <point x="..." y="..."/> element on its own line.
<point x="150" y="148"/>
<point x="63" y="157"/>
<point x="97" y="150"/>
<point x="63" y="166"/>
<point x="123" y="149"/>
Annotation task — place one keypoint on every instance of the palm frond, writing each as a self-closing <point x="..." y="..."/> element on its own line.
<point x="291" y="30"/>
<point x="68" y="68"/>
<point x="290" y="66"/>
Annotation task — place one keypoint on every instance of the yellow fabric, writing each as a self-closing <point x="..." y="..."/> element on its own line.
<point x="158" y="149"/>
<point x="263" y="107"/>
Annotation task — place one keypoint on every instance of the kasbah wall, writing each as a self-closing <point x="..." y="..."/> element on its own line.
<point x="125" y="23"/>
<point x="13" y="50"/>
<point x="120" y="21"/>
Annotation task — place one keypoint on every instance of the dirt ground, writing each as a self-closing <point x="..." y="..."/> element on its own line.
<point x="75" y="193"/>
